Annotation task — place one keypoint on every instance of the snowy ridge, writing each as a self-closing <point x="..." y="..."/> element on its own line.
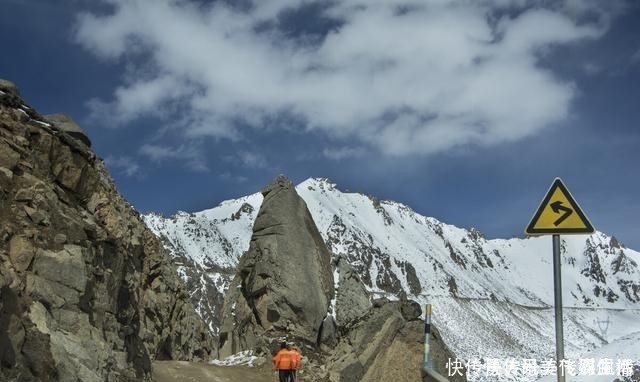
<point x="503" y="287"/>
<point x="382" y="237"/>
<point x="212" y="238"/>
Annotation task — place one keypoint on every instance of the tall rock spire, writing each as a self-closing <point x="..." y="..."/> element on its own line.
<point x="284" y="284"/>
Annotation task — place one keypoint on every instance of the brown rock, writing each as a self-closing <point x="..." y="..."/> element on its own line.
<point x="21" y="252"/>
<point x="9" y="87"/>
<point x="24" y="195"/>
<point x="50" y="293"/>
<point x="60" y="238"/>
<point x="99" y="309"/>
<point x="69" y="126"/>
<point x="6" y="176"/>
<point x="65" y="267"/>
<point x="384" y="346"/>
<point x="352" y="298"/>
<point x="284" y="282"/>
<point x="8" y="157"/>
<point x="36" y="216"/>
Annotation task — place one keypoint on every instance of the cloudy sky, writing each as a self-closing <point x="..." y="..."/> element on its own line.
<point x="466" y="110"/>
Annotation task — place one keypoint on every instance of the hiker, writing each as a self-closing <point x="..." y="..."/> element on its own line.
<point x="297" y="361"/>
<point x="284" y="363"/>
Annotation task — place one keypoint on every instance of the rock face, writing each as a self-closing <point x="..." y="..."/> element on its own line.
<point x="384" y="345"/>
<point x="65" y="123"/>
<point x="352" y="298"/>
<point x="284" y="284"/>
<point x="86" y="291"/>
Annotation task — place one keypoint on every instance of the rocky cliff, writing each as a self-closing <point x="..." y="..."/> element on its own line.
<point x="86" y="290"/>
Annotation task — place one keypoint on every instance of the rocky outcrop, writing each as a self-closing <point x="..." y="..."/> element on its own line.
<point x="386" y="345"/>
<point x="86" y="291"/>
<point x="64" y="123"/>
<point x="283" y="287"/>
<point x="352" y="298"/>
<point x="9" y="87"/>
<point x="284" y="282"/>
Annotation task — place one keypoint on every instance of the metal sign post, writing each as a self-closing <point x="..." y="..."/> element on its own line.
<point x="557" y="289"/>
<point x="559" y="213"/>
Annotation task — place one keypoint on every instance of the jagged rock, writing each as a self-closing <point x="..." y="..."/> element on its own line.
<point x="24" y="195"/>
<point x="412" y="279"/>
<point x="352" y="298"/>
<point x="36" y="216"/>
<point x="21" y="252"/>
<point x="8" y="157"/>
<point x="86" y="290"/>
<point x="9" y="87"/>
<point x="284" y="282"/>
<point x="329" y="332"/>
<point x="6" y="176"/>
<point x="65" y="267"/>
<point x="410" y="310"/>
<point x="69" y="126"/>
<point x="384" y="346"/>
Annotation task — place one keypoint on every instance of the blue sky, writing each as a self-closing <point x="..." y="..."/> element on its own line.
<point x="465" y="111"/>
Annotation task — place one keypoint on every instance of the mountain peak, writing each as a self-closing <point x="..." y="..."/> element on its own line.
<point x="279" y="182"/>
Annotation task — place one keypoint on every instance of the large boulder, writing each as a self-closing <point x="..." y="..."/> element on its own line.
<point x="64" y="123"/>
<point x="87" y="292"/>
<point x="284" y="283"/>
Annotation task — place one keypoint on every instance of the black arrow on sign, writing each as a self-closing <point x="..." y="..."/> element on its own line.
<point x="557" y="207"/>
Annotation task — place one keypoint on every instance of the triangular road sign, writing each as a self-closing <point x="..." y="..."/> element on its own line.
<point x="558" y="214"/>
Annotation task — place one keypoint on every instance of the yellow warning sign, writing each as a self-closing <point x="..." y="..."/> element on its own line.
<point x="559" y="213"/>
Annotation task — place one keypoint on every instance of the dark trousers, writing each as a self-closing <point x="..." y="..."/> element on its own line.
<point x="285" y="375"/>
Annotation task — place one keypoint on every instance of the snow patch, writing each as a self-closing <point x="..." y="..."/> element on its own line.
<point x="244" y="358"/>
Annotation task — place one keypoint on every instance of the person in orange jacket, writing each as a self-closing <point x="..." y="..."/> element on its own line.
<point x="284" y="363"/>
<point x="297" y="361"/>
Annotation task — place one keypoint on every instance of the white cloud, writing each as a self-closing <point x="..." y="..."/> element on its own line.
<point x="252" y="159"/>
<point x="592" y="69"/>
<point x="123" y="164"/>
<point x="339" y="153"/>
<point x="194" y="159"/>
<point x="233" y="178"/>
<point x="436" y="75"/>
<point x="249" y="159"/>
<point x="635" y="58"/>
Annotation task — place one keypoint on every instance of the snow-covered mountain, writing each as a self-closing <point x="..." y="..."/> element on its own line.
<point x="491" y="298"/>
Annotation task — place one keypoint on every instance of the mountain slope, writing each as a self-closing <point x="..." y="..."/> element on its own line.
<point x="504" y="286"/>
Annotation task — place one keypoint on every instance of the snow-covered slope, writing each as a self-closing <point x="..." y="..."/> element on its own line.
<point x="206" y="247"/>
<point x="492" y="298"/>
<point x="624" y="357"/>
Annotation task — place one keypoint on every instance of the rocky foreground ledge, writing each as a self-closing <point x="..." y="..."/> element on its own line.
<point x="86" y="290"/>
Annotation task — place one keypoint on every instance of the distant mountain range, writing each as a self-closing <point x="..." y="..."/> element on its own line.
<point x="491" y="298"/>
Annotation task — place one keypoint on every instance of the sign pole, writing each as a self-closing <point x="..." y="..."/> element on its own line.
<point x="557" y="286"/>
<point x="559" y="213"/>
<point x="427" y="334"/>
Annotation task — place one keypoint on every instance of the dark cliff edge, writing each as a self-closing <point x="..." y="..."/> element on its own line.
<point x="86" y="290"/>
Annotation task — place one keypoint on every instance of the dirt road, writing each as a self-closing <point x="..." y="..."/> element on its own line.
<point x="173" y="371"/>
